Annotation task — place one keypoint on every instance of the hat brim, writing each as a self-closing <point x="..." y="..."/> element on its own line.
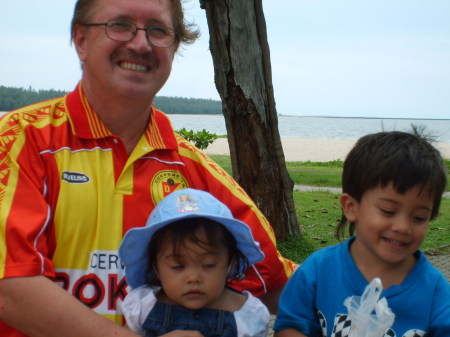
<point x="133" y="250"/>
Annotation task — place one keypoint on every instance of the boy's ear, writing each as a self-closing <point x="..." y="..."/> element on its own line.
<point x="349" y="206"/>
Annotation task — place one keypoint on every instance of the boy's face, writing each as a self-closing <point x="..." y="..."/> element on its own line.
<point x="196" y="279"/>
<point x="389" y="226"/>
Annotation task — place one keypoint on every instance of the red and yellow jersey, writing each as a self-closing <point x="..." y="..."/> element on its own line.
<point x="69" y="192"/>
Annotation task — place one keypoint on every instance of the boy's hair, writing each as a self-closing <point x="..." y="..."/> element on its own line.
<point x="182" y="231"/>
<point x="404" y="159"/>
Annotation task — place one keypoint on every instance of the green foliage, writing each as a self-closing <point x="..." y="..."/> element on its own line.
<point x="200" y="139"/>
<point x="180" y="105"/>
<point x="14" y="98"/>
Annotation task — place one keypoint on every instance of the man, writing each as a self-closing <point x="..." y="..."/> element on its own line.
<point x="79" y="171"/>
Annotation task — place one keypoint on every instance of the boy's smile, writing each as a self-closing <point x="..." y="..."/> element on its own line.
<point x="389" y="226"/>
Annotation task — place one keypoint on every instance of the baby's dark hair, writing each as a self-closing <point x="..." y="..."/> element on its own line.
<point x="406" y="160"/>
<point x="182" y="231"/>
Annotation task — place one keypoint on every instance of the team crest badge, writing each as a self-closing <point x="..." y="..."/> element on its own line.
<point x="164" y="183"/>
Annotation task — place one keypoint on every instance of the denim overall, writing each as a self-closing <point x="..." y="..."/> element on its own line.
<point x="164" y="318"/>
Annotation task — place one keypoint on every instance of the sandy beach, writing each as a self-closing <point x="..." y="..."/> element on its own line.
<point x="312" y="149"/>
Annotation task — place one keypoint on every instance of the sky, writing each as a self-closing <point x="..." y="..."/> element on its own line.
<point x="352" y="58"/>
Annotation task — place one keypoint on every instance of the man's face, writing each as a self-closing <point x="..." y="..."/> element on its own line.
<point x="133" y="69"/>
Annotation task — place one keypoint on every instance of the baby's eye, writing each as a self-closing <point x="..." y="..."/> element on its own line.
<point x="177" y="267"/>
<point x="209" y="265"/>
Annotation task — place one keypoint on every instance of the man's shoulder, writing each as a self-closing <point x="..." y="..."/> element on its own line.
<point x="36" y="113"/>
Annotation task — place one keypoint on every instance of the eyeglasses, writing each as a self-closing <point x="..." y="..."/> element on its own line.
<point x="124" y="31"/>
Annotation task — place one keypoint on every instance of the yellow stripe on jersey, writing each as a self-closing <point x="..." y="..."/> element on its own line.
<point x="98" y="129"/>
<point x="96" y="226"/>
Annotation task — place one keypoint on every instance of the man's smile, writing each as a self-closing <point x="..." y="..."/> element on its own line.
<point x="133" y="66"/>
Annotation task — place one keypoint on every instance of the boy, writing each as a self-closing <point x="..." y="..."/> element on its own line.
<point x="392" y="188"/>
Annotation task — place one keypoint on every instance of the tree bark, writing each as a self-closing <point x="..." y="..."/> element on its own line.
<point x="243" y="77"/>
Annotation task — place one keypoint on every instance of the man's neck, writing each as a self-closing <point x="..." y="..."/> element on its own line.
<point x="125" y="117"/>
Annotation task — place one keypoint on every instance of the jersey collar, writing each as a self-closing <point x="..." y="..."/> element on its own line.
<point x="86" y="124"/>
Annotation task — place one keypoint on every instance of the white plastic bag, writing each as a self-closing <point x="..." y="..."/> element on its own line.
<point x="370" y="316"/>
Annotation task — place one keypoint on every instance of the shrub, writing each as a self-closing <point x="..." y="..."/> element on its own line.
<point x="200" y="139"/>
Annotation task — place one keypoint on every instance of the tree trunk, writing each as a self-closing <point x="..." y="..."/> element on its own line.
<point x="243" y="77"/>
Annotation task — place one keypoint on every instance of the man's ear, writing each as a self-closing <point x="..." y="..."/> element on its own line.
<point x="79" y="40"/>
<point x="349" y="206"/>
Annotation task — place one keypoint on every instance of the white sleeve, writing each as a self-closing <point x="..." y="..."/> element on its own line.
<point x="253" y="318"/>
<point x="136" y="307"/>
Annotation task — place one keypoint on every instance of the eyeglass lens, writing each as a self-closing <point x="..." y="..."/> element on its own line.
<point x="125" y="31"/>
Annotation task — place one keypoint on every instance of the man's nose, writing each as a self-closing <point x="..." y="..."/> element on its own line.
<point x="140" y="41"/>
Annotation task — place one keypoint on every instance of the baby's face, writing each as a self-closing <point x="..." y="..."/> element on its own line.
<point x="196" y="277"/>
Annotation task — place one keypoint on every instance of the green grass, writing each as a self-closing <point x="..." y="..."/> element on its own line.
<point x="319" y="212"/>
<point x="310" y="173"/>
<point x="223" y="160"/>
<point x="316" y="173"/>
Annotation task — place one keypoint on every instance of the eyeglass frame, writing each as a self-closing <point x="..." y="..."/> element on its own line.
<point x="133" y="33"/>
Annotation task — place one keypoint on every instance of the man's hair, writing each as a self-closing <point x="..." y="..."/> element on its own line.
<point x="186" y="230"/>
<point x="405" y="160"/>
<point x="186" y="33"/>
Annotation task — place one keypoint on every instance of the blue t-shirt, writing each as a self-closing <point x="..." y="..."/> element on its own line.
<point x="313" y="299"/>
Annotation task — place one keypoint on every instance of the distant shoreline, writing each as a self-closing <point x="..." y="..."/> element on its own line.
<point x="312" y="149"/>
<point x="353" y="117"/>
<point x="293" y="116"/>
<point x="346" y="117"/>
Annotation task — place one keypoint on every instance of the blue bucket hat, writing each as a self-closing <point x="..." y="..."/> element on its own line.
<point x="181" y="204"/>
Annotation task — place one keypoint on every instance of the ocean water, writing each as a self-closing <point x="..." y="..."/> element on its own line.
<point x="323" y="127"/>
